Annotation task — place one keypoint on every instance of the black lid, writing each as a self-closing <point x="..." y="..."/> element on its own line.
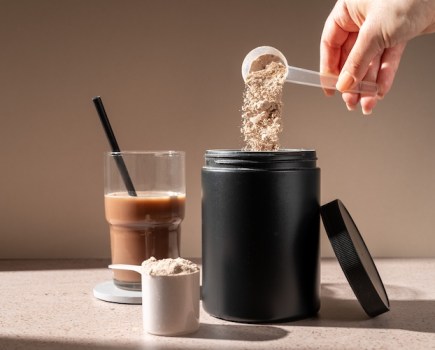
<point x="354" y="258"/>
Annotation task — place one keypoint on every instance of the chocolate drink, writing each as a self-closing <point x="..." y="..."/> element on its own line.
<point x="141" y="227"/>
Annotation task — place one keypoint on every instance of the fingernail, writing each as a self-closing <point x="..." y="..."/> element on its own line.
<point x="328" y="92"/>
<point x="367" y="111"/>
<point x="350" y="107"/>
<point x="345" y="81"/>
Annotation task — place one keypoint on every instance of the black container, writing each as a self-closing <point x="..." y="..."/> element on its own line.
<point x="260" y="235"/>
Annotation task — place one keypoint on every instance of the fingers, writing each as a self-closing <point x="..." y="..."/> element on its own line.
<point x="351" y="99"/>
<point x="388" y="68"/>
<point x="353" y="46"/>
<point x="362" y="62"/>
<point x="367" y="46"/>
<point x="382" y="70"/>
<point x="330" y="47"/>
<point x="333" y="37"/>
<point x="335" y="33"/>
<point x="368" y="102"/>
<point x="330" y="50"/>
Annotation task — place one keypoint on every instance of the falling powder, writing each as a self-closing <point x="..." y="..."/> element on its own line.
<point x="262" y="104"/>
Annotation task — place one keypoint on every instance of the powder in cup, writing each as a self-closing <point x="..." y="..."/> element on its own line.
<point x="169" y="267"/>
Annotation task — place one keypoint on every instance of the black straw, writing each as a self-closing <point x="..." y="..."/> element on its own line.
<point x="114" y="145"/>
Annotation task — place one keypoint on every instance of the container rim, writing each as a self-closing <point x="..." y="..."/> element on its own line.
<point x="240" y="151"/>
<point x="281" y="159"/>
<point x="282" y="154"/>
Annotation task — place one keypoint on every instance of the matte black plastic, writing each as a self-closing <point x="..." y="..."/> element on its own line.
<point x="354" y="258"/>
<point x="260" y="235"/>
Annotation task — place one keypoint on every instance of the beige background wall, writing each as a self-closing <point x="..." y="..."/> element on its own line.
<point x="169" y="74"/>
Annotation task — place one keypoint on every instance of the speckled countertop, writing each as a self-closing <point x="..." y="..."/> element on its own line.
<point x="48" y="304"/>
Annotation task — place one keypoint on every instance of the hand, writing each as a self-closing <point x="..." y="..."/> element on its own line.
<point x="365" y="40"/>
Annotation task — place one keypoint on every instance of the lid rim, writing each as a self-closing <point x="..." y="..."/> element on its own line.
<point x="349" y="258"/>
<point x="283" y="159"/>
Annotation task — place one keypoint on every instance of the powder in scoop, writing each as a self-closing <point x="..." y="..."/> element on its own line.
<point x="169" y="267"/>
<point x="262" y="104"/>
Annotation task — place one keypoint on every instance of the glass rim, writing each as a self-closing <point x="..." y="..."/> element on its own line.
<point x="155" y="153"/>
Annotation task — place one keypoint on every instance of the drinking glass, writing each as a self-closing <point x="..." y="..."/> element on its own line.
<point x="144" y="198"/>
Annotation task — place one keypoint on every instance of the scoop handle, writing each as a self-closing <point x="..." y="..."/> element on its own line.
<point x="135" y="268"/>
<point x="326" y="81"/>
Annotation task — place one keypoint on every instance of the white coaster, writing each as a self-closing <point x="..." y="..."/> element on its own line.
<point x="107" y="291"/>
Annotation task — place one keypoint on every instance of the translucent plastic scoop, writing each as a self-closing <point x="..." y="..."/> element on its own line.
<point x="255" y="60"/>
<point x="170" y="303"/>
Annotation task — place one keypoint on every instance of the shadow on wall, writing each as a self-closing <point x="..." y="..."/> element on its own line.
<point x="411" y="315"/>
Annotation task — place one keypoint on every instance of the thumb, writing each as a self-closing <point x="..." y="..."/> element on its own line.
<point x="367" y="46"/>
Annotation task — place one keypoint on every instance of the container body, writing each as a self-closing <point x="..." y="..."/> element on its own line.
<point x="260" y="235"/>
<point x="144" y="222"/>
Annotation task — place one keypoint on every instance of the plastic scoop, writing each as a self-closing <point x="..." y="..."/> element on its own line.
<point x="136" y="268"/>
<point x="258" y="57"/>
<point x="170" y="303"/>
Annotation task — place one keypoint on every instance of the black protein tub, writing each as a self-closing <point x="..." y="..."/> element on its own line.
<point x="260" y="235"/>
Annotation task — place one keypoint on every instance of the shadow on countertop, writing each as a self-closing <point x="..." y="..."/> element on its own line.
<point x="235" y="332"/>
<point x="44" y="344"/>
<point x="413" y="314"/>
<point x="241" y="332"/>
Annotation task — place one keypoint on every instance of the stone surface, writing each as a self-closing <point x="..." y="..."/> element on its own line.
<point x="48" y="304"/>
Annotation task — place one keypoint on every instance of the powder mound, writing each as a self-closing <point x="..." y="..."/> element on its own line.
<point x="169" y="267"/>
<point x="262" y="105"/>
